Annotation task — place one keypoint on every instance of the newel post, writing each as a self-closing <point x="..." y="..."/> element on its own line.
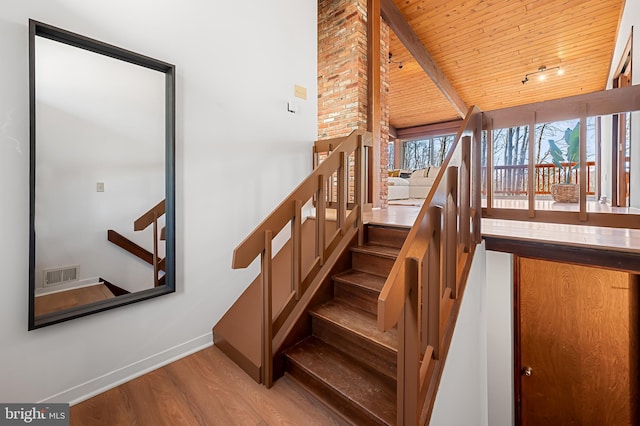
<point x="408" y="374"/>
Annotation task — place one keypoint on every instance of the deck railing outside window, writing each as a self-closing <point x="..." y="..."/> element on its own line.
<point x="513" y="180"/>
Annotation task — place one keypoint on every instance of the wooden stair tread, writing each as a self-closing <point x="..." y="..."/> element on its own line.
<point x="356" y="321"/>
<point x="361" y="279"/>
<point x="382" y="251"/>
<point x="368" y="391"/>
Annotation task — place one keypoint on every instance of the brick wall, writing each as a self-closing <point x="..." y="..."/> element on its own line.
<point x="342" y="76"/>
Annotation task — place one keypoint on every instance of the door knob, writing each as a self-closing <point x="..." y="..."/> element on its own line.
<point x="526" y="371"/>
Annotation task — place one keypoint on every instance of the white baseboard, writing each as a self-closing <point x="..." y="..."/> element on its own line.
<point x="122" y="375"/>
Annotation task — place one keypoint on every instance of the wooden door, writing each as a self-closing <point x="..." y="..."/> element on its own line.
<point x="574" y="336"/>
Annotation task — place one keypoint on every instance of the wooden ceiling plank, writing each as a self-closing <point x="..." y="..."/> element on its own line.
<point x="521" y="40"/>
<point x="486" y="47"/>
<point x="401" y="28"/>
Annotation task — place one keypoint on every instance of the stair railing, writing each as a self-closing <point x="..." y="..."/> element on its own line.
<point x="151" y="217"/>
<point x="148" y="218"/>
<point x="423" y="292"/>
<point x="348" y="223"/>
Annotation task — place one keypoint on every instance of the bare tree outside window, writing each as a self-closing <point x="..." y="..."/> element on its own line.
<point x="419" y="154"/>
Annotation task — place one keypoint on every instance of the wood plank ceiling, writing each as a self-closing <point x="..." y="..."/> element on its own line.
<point x="486" y="47"/>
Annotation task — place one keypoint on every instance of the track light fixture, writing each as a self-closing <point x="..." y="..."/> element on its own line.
<point x="391" y="61"/>
<point x="542" y="73"/>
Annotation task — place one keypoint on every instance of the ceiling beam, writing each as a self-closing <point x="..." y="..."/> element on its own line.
<point x="429" y="130"/>
<point x="408" y="37"/>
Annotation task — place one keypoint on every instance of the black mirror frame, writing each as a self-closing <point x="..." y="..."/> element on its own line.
<point x="39" y="29"/>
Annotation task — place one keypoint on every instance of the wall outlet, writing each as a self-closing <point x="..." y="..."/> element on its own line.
<point x="100" y="187"/>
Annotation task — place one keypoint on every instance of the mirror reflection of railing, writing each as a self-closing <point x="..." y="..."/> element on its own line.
<point x="140" y="224"/>
<point x="259" y="243"/>
<point x="423" y="292"/>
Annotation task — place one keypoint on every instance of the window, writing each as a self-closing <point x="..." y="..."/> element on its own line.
<point x="422" y="153"/>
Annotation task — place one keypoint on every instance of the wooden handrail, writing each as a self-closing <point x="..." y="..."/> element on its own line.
<point x="433" y="263"/>
<point x="253" y="244"/>
<point x="133" y="248"/>
<point x="149" y="217"/>
<point x="259" y="242"/>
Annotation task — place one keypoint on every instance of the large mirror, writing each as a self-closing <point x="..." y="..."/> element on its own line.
<point x="102" y="215"/>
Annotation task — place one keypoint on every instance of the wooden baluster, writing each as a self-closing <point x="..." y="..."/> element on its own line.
<point x="296" y="249"/>
<point x="432" y="291"/>
<point x="465" y="194"/>
<point x="408" y="383"/>
<point x="330" y="191"/>
<point x="314" y="157"/>
<point x="267" y="325"/>
<point x="156" y="280"/>
<point x="343" y="187"/>
<point x="490" y="171"/>
<point x="321" y="213"/>
<point x="582" y="155"/>
<point x="451" y="232"/>
<point x="531" y="193"/>
<point x="476" y="181"/>
<point x="360" y="192"/>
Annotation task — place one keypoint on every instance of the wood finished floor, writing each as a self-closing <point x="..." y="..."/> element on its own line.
<point x="205" y="388"/>
<point x="54" y="302"/>
<point x="620" y="239"/>
<point x="208" y="389"/>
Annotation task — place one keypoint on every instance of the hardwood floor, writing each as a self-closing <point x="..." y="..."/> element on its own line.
<point x="205" y="388"/>
<point x="627" y="240"/>
<point x="71" y="298"/>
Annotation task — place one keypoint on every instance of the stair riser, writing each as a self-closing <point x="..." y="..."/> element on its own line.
<point x="336" y="401"/>
<point x="363" y="298"/>
<point x="375" y="357"/>
<point x="372" y="264"/>
<point x="390" y="237"/>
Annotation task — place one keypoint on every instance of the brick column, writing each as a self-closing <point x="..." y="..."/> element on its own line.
<point x="342" y="75"/>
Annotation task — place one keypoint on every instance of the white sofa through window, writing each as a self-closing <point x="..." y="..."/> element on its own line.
<point x="398" y="188"/>
<point x="421" y="181"/>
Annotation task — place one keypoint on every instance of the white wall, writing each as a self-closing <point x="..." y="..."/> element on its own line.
<point x="500" y="338"/>
<point x="462" y="396"/>
<point x="630" y="19"/>
<point x="239" y="152"/>
<point x="477" y="382"/>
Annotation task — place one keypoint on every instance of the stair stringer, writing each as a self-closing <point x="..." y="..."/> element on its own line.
<point x="238" y="332"/>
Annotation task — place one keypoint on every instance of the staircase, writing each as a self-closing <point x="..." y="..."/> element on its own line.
<point x="346" y="362"/>
<point x="314" y="314"/>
